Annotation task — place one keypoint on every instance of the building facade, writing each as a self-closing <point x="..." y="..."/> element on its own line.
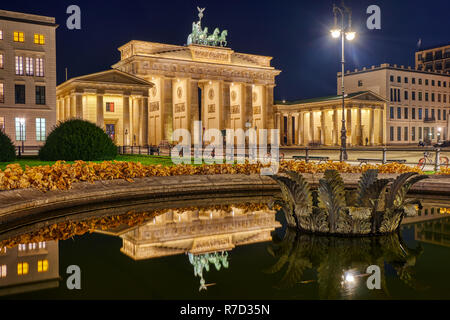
<point x="27" y="77"/>
<point x="222" y="88"/>
<point x="318" y="122"/>
<point x="418" y="101"/>
<point x="434" y="59"/>
<point x="114" y="100"/>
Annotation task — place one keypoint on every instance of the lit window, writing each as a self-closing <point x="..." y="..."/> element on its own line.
<point x="19" y="66"/>
<point x="1" y="34"/>
<point x="42" y="265"/>
<point x="39" y="38"/>
<point x="22" y="247"/>
<point x="19" y="36"/>
<point x="42" y="245"/>
<point x="2" y="124"/>
<point x="40" y="136"/>
<point x="110" y="107"/>
<point x="1" y="61"/>
<point x="29" y="66"/>
<point x="3" y="271"/>
<point x="2" y="94"/>
<point x="21" y="129"/>
<point x="39" y="67"/>
<point x="22" y="268"/>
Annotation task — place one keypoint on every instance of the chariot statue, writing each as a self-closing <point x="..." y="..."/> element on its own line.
<point x="201" y="36"/>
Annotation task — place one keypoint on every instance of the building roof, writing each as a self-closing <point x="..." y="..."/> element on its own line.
<point x="326" y="98"/>
<point x="433" y="47"/>
<point x="27" y="18"/>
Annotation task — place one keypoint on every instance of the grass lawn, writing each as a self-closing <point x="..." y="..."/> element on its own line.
<point x="33" y="161"/>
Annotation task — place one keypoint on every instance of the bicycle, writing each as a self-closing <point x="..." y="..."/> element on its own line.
<point x="428" y="159"/>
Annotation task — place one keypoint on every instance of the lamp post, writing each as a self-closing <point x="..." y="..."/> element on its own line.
<point x="347" y="33"/>
<point x="22" y="124"/>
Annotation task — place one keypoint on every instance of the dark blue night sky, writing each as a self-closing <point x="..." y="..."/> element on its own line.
<point x="295" y="33"/>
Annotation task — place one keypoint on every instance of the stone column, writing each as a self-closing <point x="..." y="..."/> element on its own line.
<point x="335" y="126"/>
<point x="248" y="113"/>
<point x="126" y="120"/>
<point x="79" y="105"/>
<point x="382" y="128"/>
<point x="297" y="129"/>
<point x="349" y="126"/>
<point x="289" y="129"/>
<point x="322" y="128"/>
<point x="278" y="126"/>
<point x="100" y="113"/>
<point x="372" y="126"/>
<point x="311" y="127"/>
<point x="135" y="134"/>
<point x="167" y="109"/>
<point x="144" y="121"/>
<point x="73" y="109"/>
<point x="193" y="104"/>
<point x="66" y="108"/>
<point x="359" y="137"/>
<point x="225" y="107"/>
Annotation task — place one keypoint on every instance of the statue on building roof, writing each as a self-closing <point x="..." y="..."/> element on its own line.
<point x="201" y="36"/>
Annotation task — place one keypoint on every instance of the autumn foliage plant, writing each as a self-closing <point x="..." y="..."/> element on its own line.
<point x="7" y="149"/>
<point x="78" y="140"/>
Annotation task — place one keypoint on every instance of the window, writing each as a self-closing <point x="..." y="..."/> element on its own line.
<point x="42" y="265"/>
<point x="406" y="135"/>
<point x="444" y="114"/>
<point x="1" y="61"/>
<point x="42" y="245"/>
<point x="406" y="79"/>
<point x="360" y="83"/>
<point x="413" y="113"/>
<point x="22" y="268"/>
<point x="20" y="93"/>
<point x="413" y="133"/>
<point x="2" y="93"/>
<point x="19" y="36"/>
<point x="2" y="124"/>
<point x="439" y="97"/>
<point x="40" y="129"/>
<point x="40" y="94"/>
<point x="432" y="97"/>
<point x="3" y="272"/>
<point x="399" y="113"/>
<point x="39" y="67"/>
<point x="406" y="95"/>
<point x="439" y="83"/>
<point x="1" y="34"/>
<point x="426" y="82"/>
<point x="29" y="66"/>
<point x="392" y="78"/>
<point x="406" y="112"/>
<point x="399" y="133"/>
<point x="391" y="113"/>
<point x="413" y="95"/>
<point x="420" y="96"/>
<point x="19" y="66"/>
<point x="39" y="38"/>
<point x="432" y="83"/>
<point x="110" y="107"/>
<point x="399" y="79"/>
<point x="398" y="95"/>
<point x="433" y="115"/>
<point x="420" y="81"/>
<point x="420" y="113"/>
<point x="426" y="96"/>
<point x="432" y="133"/>
<point x="420" y="133"/>
<point x="21" y="129"/>
<point x="392" y="94"/>
<point x="391" y="133"/>
<point x="439" y="114"/>
<point x="413" y="80"/>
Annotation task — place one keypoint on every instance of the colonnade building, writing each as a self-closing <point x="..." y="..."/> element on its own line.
<point x="169" y="87"/>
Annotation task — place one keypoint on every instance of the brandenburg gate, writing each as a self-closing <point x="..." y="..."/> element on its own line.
<point x="202" y="81"/>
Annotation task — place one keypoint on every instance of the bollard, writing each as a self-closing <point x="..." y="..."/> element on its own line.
<point x="437" y="163"/>
<point x="306" y="154"/>
<point x="384" y="155"/>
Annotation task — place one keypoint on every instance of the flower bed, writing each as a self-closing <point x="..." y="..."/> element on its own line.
<point x="61" y="175"/>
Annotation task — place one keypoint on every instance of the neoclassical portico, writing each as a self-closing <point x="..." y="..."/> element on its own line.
<point x="222" y="88"/>
<point x="319" y="121"/>
<point x="114" y="100"/>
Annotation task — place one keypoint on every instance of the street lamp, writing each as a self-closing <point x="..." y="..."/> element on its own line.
<point x="347" y="33"/>
<point x="22" y="124"/>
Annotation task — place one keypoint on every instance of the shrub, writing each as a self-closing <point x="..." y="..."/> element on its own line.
<point x="7" y="149"/>
<point x="78" y="140"/>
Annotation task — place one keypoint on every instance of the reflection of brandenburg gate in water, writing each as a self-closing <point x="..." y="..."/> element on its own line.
<point x="191" y="232"/>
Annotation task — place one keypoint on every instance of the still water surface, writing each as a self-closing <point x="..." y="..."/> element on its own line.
<point x="231" y="256"/>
